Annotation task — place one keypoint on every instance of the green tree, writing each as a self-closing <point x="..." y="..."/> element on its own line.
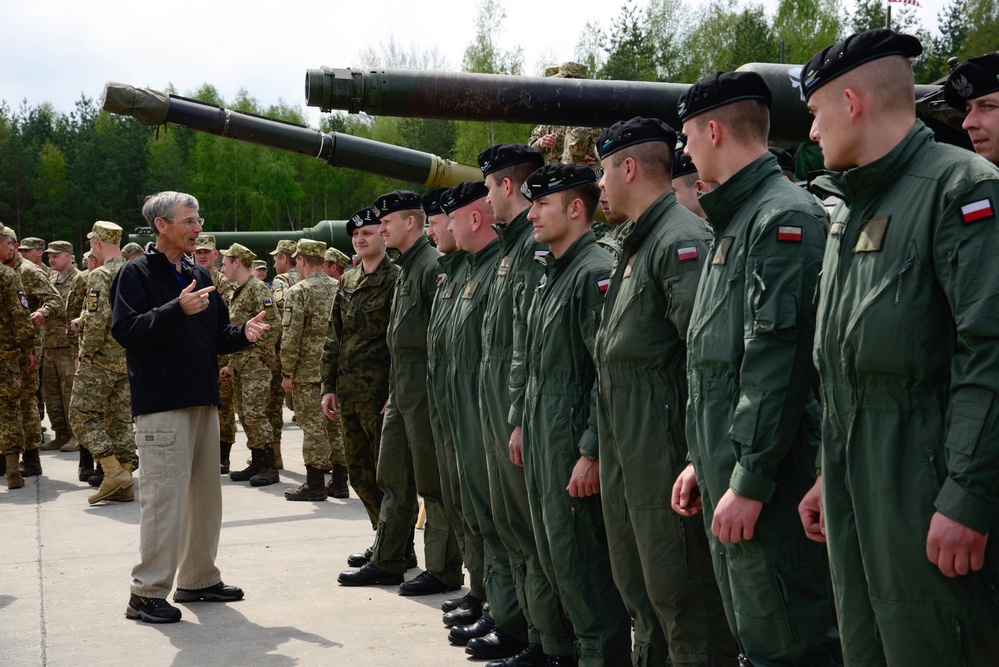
<point x="631" y="54"/>
<point x="589" y="48"/>
<point x="982" y="19"/>
<point x="804" y="27"/>
<point x="726" y="37"/>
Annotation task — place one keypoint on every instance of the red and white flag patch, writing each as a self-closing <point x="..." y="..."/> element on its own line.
<point x="789" y="233"/>
<point x="602" y="285"/>
<point x="685" y="254"/>
<point x="976" y="211"/>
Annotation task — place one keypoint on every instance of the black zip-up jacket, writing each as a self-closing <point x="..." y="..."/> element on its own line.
<point x="172" y="357"/>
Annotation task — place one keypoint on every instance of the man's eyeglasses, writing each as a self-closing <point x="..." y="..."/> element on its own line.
<point x="190" y="222"/>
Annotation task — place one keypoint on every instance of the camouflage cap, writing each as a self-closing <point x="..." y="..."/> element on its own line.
<point x="284" y="245"/>
<point x="311" y="248"/>
<point x="568" y="70"/>
<point x="7" y="231"/>
<point x="242" y="253"/>
<point x="205" y="242"/>
<point x="337" y="257"/>
<point x="32" y="242"/>
<point x="87" y="255"/>
<point x="130" y="249"/>
<point x="59" y="246"/>
<point x="259" y="264"/>
<point x="105" y="231"/>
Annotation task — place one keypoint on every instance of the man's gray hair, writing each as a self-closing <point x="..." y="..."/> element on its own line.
<point x="163" y="205"/>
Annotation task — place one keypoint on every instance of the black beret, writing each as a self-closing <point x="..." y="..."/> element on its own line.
<point x="638" y="130"/>
<point x="462" y="195"/>
<point x="784" y="158"/>
<point x="854" y="51"/>
<point x="397" y="200"/>
<point x="721" y="88"/>
<point x="682" y="165"/>
<point x="555" y="178"/>
<point x="432" y="201"/>
<point x="502" y="156"/>
<point x="973" y="78"/>
<point x="362" y="218"/>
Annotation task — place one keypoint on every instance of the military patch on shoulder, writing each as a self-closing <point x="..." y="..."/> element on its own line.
<point x="721" y="254"/>
<point x="93" y="298"/>
<point x="837" y="228"/>
<point x="448" y="291"/>
<point x="789" y="234"/>
<point x="269" y="307"/>
<point x="976" y="211"/>
<point x="23" y="299"/>
<point x="406" y="288"/>
<point x="504" y="266"/>
<point x="470" y="289"/>
<point x="440" y="278"/>
<point x="872" y="235"/>
<point x="603" y="285"/>
<point x="286" y="318"/>
<point x="686" y="254"/>
<point x="278" y="292"/>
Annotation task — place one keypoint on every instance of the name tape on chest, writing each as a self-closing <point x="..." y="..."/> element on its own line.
<point x="975" y="211"/>
<point x="405" y="288"/>
<point x="504" y="266"/>
<point x="721" y="254"/>
<point x="789" y="234"/>
<point x="686" y="254"/>
<point x="448" y="291"/>
<point x="470" y="289"/>
<point x="872" y="235"/>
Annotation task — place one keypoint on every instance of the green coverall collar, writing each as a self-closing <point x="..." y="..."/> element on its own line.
<point x="554" y="266"/>
<point x="451" y="260"/>
<point x="647" y="221"/>
<point x="487" y="254"/>
<point x="511" y="232"/>
<point x="406" y="259"/>
<point x="722" y="203"/>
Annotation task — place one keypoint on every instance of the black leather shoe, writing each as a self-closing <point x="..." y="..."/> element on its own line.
<point x="217" y="593"/>
<point x="469" y="612"/>
<point x="497" y="644"/>
<point x="744" y="660"/>
<point x="425" y="583"/>
<point x="454" y="603"/>
<point x="369" y="575"/>
<point x="532" y="656"/>
<point x="561" y="661"/>
<point x="461" y="634"/>
<point x="361" y="559"/>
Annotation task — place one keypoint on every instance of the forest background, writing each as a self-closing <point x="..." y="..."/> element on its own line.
<point x="61" y="170"/>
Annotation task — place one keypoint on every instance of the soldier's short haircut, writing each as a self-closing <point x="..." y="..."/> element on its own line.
<point x="588" y="193"/>
<point x="654" y="157"/>
<point x="889" y="81"/>
<point x="312" y="261"/>
<point x="748" y="121"/>
<point x="517" y="173"/>
<point x="163" y="204"/>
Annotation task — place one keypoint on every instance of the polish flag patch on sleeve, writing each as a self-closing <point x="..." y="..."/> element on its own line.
<point x="685" y="254"/>
<point x="789" y="233"/>
<point x="602" y="285"/>
<point x="976" y="211"/>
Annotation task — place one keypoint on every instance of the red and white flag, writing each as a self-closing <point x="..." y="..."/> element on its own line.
<point x="976" y="211"/>
<point x="602" y="285"/>
<point x="789" y="233"/>
<point x="684" y="254"/>
<point x="907" y="2"/>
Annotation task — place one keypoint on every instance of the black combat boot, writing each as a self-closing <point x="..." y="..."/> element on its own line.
<point x="313" y="489"/>
<point x="86" y="468"/>
<point x="31" y="464"/>
<point x="337" y="488"/>
<point x="224" y="449"/>
<point x="411" y="560"/>
<point x="267" y="473"/>
<point x="246" y="473"/>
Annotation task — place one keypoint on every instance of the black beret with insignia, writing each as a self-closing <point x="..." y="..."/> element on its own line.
<point x="852" y="52"/>
<point x="432" y="201"/>
<point x="397" y="200"/>
<point x="682" y="165"/>
<point x="721" y="88"/>
<point x="973" y="78"/>
<point x="638" y="130"/>
<point x="462" y="195"/>
<point x="555" y="178"/>
<point x="784" y="159"/>
<point x="502" y="156"/>
<point x="362" y="218"/>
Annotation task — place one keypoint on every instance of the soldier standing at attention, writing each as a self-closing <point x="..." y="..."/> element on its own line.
<point x="407" y="462"/>
<point x="18" y="346"/>
<point x="355" y="360"/>
<point x="973" y="87"/>
<point x="304" y="320"/>
<point x="660" y="561"/>
<point x="752" y="428"/>
<point x="250" y="369"/>
<point x="334" y="264"/>
<point x="286" y="275"/>
<point x="100" y="406"/>
<point x="74" y="314"/>
<point x="558" y="415"/>
<point x="205" y="254"/>
<point x="505" y="167"/>
<point x="907" y="347"/>
<point x="60" y="254"/>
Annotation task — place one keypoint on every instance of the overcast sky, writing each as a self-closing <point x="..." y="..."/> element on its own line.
<point x="56" y="50"/>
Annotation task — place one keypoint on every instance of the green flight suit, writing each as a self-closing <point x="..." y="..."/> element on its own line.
<point x="907" y="347"/>
<point x="659" y="559"/>
<point x="463" y="403"/>
<point x="751" y="381"/>
<point x="454" y="272"/>
<point x="407" y="462"/>
<point x="559" y="422"/>
<point x="518" y="572"/>
<point x="355" y="367"/>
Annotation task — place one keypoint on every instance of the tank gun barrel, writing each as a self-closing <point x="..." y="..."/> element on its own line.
<point x="152" y="107"/>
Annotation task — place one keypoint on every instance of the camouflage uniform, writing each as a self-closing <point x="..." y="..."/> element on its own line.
<point x="57" y="369"/>
<point x="304" y="321"/>
<point x="579" y="144"/>
<point x="227" y="408"/>
<point x="355" y="367"/>
<point x="275" y="407"/>
<point x="251" y="367"/>
<point x="16" y="343"/>
<point x="75" y="300"/>
<point x="100" y="406"/>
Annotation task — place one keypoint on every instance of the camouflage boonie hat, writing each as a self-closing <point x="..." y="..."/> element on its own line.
<point x="87" y="255"/>
<point x="310" y="248"/>
<point x="59" y="246"/>
<point x="205" y="242"/>
<point x="568" y="70"/>
<point x="7" y="231"/>
<point x="130" y="249"/>
<point x="259" y="264"/>
<point x="337" y="257"/>
<point x="33" y="242"/>
<point x="284" y="246"/>
<point x="242" y="253"/>
<point x="108" y="232"/>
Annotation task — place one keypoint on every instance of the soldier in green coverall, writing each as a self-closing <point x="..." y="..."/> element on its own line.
<point x="559" y="416"/>
<point x="660" y="561"/>
<point x="907" y="347"/>
<point x="752" y="417"/>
